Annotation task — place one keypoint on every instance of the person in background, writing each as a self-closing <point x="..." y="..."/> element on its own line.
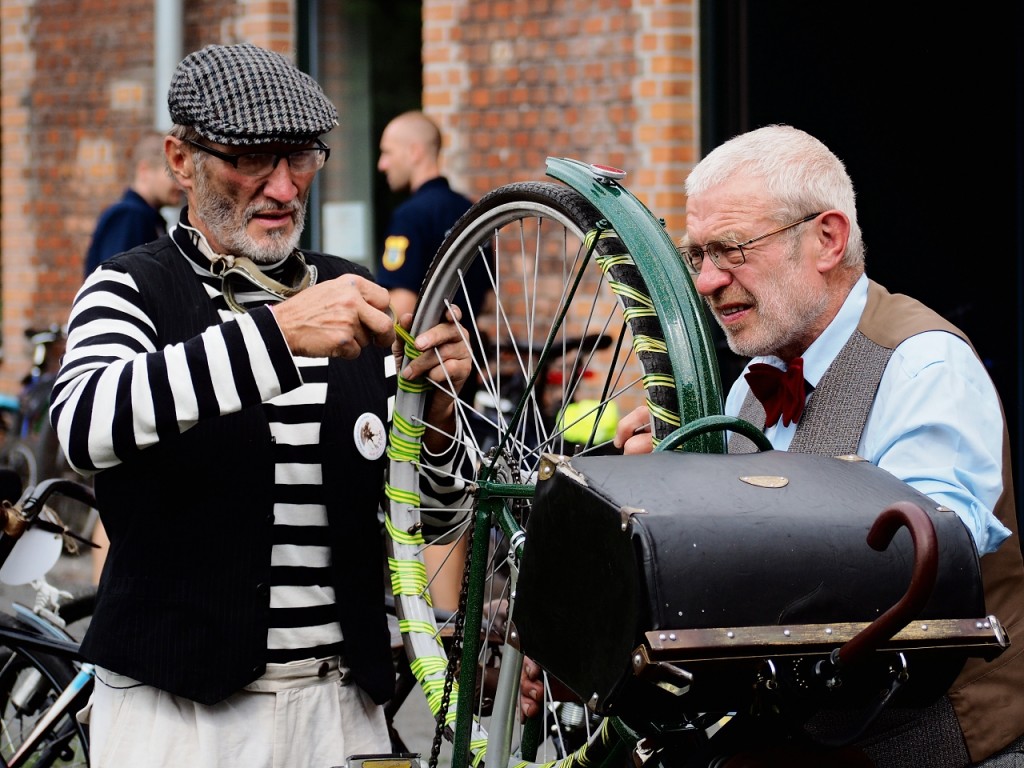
<point x="839" y="365"/>
<point x="229" y="395"/>
<point x="410" y="158"/>
<point x="135" y="219"/>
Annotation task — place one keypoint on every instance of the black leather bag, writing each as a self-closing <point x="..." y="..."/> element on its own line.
<point x="679" y="581"/>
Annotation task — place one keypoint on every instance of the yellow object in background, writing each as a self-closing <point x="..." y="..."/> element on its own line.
<point x="576" y="421"/>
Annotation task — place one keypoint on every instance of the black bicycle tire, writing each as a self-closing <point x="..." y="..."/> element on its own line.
<point x="57" y="673"/>
<point x="574" y="207"/>
<point x="658" y="363"/>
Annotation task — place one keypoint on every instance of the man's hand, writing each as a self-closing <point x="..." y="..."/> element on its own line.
<point x="336" y="318"/>
<point x="531" y="689"/>
<point x="446" y="360"/>
<point x="633" y="434"/>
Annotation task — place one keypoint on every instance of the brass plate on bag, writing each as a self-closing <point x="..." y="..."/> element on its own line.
<point x="766" y="481"/>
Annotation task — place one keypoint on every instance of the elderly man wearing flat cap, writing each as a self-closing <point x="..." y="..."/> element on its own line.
<point x="230" y="394"/>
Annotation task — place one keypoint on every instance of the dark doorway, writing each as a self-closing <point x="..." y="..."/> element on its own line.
<point x="924" y="109"/>
<point x="396" y="29"/>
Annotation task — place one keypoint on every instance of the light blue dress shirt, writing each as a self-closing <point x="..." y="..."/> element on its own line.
<point x="936" y="422"/>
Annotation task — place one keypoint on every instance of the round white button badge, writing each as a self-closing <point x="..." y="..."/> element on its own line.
<point x="370" y="437"/>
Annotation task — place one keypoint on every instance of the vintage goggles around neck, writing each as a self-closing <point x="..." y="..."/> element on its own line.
<point x="296" y="276"/>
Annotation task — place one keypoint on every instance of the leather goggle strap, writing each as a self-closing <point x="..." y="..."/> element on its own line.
<point x="297" y="274"/>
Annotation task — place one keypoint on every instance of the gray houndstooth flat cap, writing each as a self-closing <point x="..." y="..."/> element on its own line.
<point x="243" y="94"/>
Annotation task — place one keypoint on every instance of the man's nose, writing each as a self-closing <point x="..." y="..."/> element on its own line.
<point x="711" y="278"/>
<point x="279" y="184"/>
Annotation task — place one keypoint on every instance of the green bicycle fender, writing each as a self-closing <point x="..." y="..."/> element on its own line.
<point x="694" y="362"/>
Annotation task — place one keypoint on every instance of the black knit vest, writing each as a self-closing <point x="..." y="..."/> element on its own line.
<point x="184" y="600"/>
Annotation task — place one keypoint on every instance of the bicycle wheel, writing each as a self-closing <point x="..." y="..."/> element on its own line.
<point x="570" y="341"/>
<point x="29" y="684"/>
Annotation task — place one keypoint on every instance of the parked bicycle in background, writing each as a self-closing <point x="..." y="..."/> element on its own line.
<point x="28" y="444"/>
<point x="43" y="679"/>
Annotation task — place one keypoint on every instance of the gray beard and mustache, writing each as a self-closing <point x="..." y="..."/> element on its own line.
<point x="229" y="227"/>
<point x="787" y="310"/>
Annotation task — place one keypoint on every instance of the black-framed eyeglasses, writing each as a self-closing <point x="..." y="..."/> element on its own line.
<point x="728" y="254"/>
<point x="264" y="163"/>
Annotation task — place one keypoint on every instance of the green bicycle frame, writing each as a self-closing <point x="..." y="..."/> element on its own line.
<point x="697" y="381"/>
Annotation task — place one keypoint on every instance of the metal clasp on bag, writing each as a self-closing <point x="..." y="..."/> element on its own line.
<point x="556" y="462"/>
<point x="626" y="514"/>
<point x="666" y="676"/>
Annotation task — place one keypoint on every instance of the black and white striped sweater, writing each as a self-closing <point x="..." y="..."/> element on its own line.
<point x="122" y="390"/>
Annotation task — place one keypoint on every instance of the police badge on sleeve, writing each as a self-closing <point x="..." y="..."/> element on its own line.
<point x="394" y="252"/>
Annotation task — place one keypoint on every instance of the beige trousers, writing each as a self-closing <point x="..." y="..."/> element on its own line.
<point x="302" y="715"/>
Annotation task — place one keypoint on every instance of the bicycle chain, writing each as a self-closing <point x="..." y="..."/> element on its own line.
<point x="454" y="652"/>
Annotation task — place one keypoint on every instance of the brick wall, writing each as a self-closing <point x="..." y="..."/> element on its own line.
<point x="600" y="80"/>
<point x="17" y="246"/>
<point x="605" y="81"/>
<point x="511" y="83"/>
<point x="77" y="93"/>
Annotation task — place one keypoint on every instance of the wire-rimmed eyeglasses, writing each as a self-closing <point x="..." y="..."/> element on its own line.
<point x="264" y="163"/>
<point x="728" y="254"/>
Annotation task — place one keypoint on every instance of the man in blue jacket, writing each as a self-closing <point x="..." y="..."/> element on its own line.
<point x="410" y="152"/>
<point x="135" y="219"/>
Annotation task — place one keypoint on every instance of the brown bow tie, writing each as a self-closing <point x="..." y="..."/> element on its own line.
<point x="782" y="393"/>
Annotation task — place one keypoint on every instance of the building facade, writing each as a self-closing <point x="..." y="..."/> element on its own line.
<point x="510" y="83"/>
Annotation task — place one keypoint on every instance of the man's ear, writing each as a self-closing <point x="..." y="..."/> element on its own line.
<point x="832" y="230"/>
<point x="179" y="160"/>
<point x="417" y="151"/>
